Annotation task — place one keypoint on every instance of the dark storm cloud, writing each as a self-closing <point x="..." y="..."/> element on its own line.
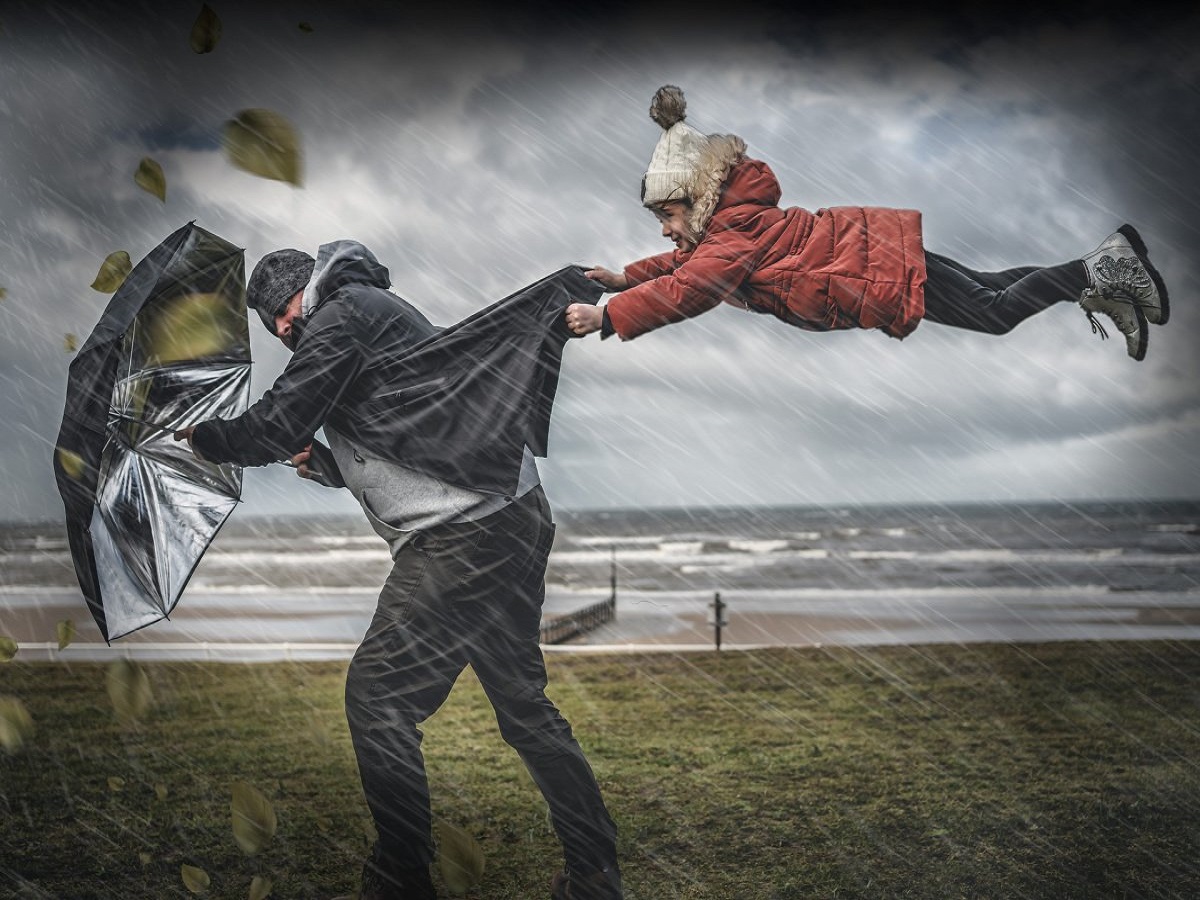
<point x="476" y="151"/>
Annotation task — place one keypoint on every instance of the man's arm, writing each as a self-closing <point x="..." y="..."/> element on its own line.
<point x="327" y="360"/>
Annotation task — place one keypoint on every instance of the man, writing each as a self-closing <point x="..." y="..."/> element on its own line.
<point x="435" y="433"/>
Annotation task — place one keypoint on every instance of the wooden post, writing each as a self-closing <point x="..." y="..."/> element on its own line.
<point x="717" y="618"/>
<point x="612" y="597"/>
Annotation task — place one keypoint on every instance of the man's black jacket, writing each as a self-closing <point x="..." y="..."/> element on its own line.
<point x="459" y="404"/>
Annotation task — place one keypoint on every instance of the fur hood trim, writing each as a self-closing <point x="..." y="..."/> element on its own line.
<point x="721" y="152"/>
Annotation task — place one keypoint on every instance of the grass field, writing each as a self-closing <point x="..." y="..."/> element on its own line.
<point x="1056" y="770"/>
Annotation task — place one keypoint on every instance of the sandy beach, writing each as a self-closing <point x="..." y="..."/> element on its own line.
<point x="327" y="624"/>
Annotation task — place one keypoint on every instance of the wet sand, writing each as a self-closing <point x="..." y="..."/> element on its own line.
<point x="329" y="624"/>
<point x="932" y="618"/>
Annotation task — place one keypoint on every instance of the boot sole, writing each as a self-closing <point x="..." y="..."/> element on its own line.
<point x="1139" y="247"/>
<point x="1143" y="333"/>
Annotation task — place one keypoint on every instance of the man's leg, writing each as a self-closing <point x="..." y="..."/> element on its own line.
<point x="400" y="675"/>
<point x="501" y="611"/>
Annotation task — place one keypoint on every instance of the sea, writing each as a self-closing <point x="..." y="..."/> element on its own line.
<point x="819" y="575"/>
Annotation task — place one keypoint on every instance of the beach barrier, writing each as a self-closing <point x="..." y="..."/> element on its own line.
<point x="563" y="628"/>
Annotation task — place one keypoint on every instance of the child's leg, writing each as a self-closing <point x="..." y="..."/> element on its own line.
<point x="995" y="280"/>
<point x="995" y="302"/>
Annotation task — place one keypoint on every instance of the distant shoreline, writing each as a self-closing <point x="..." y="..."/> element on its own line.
<point x="250" y="517"/>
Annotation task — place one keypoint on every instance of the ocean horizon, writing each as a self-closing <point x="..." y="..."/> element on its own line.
<point x="290" y="587"/>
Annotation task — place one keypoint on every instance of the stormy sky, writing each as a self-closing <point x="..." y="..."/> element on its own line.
<point x="476" y="152"/>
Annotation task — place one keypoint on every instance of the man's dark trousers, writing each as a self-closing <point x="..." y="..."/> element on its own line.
<point x="461" y="594"/>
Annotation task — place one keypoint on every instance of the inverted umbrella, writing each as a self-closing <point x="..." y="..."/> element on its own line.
<point x="171" y="349"/>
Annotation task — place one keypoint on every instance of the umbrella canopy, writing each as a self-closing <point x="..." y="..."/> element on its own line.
<point x="171" y="349"/>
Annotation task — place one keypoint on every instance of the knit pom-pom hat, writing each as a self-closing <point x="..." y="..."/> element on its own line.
<point x="673" y="165"/>
<point x="275" y="280"/>
<point x="687" y="165"/>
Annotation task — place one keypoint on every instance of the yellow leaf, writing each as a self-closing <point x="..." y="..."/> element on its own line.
<point x="129" y="690"/>
<point x="71" y="462"/>
<point x="145" y="858"/>
<point x="16" y="725"/>
<point x="8" y="649"/>
<point x="253" y="818"/>
<point x="189" y="327"/>
<point x="70" y="342"/>
<point x="3" y="293"/>
<point x="260" y="888"/>
<point x="263" y="143"/>
<point x="113" y="271"/>
<point x="206" y="31"/>
<point x="150" y="178"/>
<point x="65" y="628"/>
<point x="195" y="879"/>
<point x="116" y="784"/>
<point x="460" y="858"/>
<point x="160" y="791"/>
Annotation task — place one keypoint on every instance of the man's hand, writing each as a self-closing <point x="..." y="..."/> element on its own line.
<point x="185" y="434"/>
<point x="584" y="319"/>
<point x="612" y="281"/>
<point x="300" y="461"/>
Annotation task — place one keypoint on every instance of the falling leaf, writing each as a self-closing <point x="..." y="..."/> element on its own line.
<point x="306" y="27"/>
<point x="113" y="272"/>
<point x="150" y="178"/>
<point x="260" y="888"/>
<point x="195" y="879"/>
<point x="65" y="628"/>
<point x="16" y="725"/>
<point x="71" y="462"/>
<point x="460" y="858"/>
<point x="160" y="791"/>
<point x="263" y="143"/>
<point x="70" y="342"/>
<point x="190" y="327"/>
<point x="206" y="31"/>
<point x="8" y="649"/>
<point x="145" y="858"/>
<point x="116" y="783"/>
<point x="253" y="818"/>
<point x="129" y="690"/>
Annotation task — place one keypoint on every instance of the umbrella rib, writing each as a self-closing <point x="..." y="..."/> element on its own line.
<point x="119" y="437"/>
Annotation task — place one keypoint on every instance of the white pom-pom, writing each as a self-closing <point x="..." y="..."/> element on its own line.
<point x="668" y="106"/>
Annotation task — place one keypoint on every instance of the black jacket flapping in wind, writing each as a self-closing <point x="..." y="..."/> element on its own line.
<point x="460" y="403"/>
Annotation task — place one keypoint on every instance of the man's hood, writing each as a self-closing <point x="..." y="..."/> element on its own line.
<point x="340" y="263"/>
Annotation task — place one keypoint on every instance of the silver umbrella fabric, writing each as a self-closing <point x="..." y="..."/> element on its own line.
<point x="171" y="349"/>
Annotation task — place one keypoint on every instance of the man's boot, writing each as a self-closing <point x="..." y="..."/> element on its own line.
<point x="1126" y="288"/>
<point x="602" y="884"/>
<point x="381" y="882"/>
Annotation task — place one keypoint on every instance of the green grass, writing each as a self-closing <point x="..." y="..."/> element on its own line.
<point x="1056" y="770"/>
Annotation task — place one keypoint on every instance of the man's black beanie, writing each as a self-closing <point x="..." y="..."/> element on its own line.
<point x="275" y="281"/>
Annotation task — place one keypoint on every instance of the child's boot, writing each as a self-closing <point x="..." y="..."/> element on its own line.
<point x="1126" y="288"/>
